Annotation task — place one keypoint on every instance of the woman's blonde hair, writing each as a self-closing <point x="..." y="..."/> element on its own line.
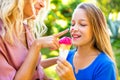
<point x="39" y="26"/>
<point x="11" y="13"/>
<point x="97" y="20"/>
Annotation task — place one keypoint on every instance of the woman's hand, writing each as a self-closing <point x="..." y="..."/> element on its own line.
<point x="51" y="41"/>
<point x="64" y="70"/>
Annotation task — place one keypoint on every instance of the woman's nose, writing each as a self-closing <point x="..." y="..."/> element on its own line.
<point x="42" y="3"/>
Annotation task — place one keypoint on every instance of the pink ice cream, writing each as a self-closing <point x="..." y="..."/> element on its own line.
<point x="65" y="40"/>
<point x="65" y="44"/>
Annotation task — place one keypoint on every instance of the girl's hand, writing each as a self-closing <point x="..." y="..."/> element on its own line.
<point x="64" y="70"/>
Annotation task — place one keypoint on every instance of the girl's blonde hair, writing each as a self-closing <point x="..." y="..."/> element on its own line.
<point x="11" y="13"/>
<point x="97" y="20"/>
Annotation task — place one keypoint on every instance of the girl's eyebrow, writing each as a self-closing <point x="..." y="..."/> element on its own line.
<point x="83" y="19"/>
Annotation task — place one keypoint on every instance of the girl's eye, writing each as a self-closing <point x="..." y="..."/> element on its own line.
<point x="83" y="24"/>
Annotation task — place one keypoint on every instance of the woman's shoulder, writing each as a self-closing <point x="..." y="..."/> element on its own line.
<point x="1" y="25"/>
<point x="1" y="22"/>
<point x="2" y="46"/>
<point x="1" y="38"/>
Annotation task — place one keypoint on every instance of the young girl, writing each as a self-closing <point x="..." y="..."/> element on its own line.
<point x="93" y="57"/>
<point x="19" y="48"/>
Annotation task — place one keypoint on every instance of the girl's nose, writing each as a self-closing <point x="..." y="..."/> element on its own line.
<point x="73" y="28"/>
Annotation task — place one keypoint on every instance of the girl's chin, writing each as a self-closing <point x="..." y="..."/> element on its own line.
<point x="75" y="44"/>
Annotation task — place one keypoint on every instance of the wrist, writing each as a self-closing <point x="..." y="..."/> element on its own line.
<point x="37" y="44"/>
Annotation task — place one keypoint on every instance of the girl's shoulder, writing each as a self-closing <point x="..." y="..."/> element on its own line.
<point x="103" y="61"/>
<point x="103" y="57"/>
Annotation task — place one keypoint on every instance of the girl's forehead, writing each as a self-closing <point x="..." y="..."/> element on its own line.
<point x="79" y="13"/>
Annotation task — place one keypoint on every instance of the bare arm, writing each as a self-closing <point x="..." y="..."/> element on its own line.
<point x="29" y="65"/>
<point x="48" y="62"/>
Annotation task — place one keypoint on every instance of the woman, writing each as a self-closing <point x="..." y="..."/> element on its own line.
<point x="93" y="57"/>
<point x="19" y="48"/>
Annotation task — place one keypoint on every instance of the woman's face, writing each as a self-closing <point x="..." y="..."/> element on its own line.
<point x="81" y="31"/>
<point x="32" y="5"/>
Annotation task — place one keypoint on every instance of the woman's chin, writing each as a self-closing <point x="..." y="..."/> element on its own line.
<point x="33" y="17"/>
<point x="30" y="17"/>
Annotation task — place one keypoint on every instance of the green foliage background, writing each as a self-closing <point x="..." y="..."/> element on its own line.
<point x="59" y="18"/>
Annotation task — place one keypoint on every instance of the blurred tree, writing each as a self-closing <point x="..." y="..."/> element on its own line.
<point x="109" y="6"/>
<point x="60" y="15"/>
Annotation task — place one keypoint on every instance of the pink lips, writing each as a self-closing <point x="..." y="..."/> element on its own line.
<point x="65" y="40"/>
<point x="76" y="36"/>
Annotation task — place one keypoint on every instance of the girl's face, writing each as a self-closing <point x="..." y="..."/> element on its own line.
<point x="32" y="7"/>
<point x="81" y="31"/>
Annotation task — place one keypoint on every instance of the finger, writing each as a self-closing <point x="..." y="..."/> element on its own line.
<point x="55" y="45"/>
<point x="61" y="33"/>
<point x="64" y="62"/>
<point x="59" y="71"/>
<point x="62" y="69"/>
<point x="56" y="42"/>
<point x="61" y="65"/>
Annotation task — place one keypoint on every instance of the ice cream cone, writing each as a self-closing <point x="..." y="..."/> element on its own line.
<point x="65" y="44"/>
